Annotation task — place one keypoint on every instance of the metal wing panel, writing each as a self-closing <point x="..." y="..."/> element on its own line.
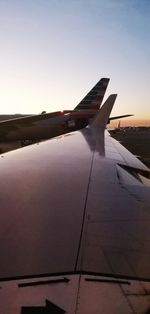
<point x="116" y="236"/>
<point x="42" y="198"/>
<point x="65" y="209"/>
<point x="75" y="295"/>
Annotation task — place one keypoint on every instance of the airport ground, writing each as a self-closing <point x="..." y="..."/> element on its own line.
<point x="136" y="140"/>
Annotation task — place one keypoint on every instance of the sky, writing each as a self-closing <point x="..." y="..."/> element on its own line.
<point x="52" y="52"/>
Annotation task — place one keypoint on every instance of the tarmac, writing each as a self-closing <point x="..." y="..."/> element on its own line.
<point x="136" y="140"/>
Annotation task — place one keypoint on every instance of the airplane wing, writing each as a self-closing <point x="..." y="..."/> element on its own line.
<point x="75" y="226"/>
<point x="35" y="127"/>
<point x="120" y="117"/>
<point x="4" y="117"/>
<point x="27" y="120"/>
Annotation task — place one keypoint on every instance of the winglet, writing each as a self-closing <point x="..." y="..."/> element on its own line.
<point x="102" y="117"/>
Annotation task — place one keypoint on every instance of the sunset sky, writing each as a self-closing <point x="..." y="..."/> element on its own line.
<point x="54" y="51"/>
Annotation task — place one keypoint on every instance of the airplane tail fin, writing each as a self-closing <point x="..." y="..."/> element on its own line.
<point x="95" y="97"/>
<point x="102" y="117"/>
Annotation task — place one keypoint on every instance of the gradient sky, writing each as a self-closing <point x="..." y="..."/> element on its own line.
<point x="54" y="51"/>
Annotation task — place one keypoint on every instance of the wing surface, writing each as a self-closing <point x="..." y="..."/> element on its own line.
<point x="70" y="210"/>
<point x="28" y="119"/>
<point x="77" y="200"/>
<point x="32" y="127"/>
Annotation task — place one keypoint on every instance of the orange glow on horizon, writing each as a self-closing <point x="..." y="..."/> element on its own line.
<point x="130" y="122"/>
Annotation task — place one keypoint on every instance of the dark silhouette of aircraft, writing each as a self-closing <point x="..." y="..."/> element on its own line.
<point x="48" y="125"/>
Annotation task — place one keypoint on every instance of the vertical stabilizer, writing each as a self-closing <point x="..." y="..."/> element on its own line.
<point x="94" y="98"/>
<point x="102" y="117"/>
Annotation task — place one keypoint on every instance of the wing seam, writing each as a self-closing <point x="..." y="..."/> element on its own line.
<point x="84" y="213"/>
